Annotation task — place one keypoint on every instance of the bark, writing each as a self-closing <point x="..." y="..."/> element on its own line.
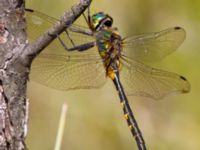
<point x="16" y="56"/>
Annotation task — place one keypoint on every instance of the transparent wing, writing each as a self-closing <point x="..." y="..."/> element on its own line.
<point x="141" y="80"/>
<point x="153" y="47"/>
<point x="58" y="68"/>
<point x="38" y="23"/>
<point x="64" y="72"/>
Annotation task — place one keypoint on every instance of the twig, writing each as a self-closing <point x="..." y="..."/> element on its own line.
<point x="61" y="127"/>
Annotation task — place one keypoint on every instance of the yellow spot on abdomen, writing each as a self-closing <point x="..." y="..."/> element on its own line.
<point x="122" y="103"/>
<point x="131" y="127"/>
<point x="111" y="74"/>
<point x="126" y="116"/>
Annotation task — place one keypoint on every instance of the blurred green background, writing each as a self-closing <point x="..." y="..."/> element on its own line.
<point x="95" y="120"/>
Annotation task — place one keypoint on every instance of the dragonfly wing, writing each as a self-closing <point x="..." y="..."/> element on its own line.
<point x="153" y="47"/>
<point x="59" y="69"/>
<point x="65" y="72"/>
<point x="38" y="23"/>
<point x="142" y="80"/>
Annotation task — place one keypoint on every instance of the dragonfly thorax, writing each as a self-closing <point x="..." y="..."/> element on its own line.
<point x="109" y="44"/>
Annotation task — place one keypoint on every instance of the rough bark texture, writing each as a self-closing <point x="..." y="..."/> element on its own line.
<point x="16" y="55"/>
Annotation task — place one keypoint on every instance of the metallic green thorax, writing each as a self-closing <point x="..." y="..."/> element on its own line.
<point x="109" y="46"/>
<point x="103" y="41"/>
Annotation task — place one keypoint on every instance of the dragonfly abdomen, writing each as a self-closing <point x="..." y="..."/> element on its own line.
<point x="128" y="114"/>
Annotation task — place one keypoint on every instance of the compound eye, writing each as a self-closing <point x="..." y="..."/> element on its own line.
<point x="108" y="23"/>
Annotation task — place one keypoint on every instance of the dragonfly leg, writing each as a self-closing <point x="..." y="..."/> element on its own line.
<point x="81" y="47"/>
<point x="76" y="30"/>
<point x="81" y="31"/>
<point x="88" y="18"/>
<point x="72" y="42"/>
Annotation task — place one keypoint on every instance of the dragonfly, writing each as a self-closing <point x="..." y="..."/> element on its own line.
<point x="84" y="57"/>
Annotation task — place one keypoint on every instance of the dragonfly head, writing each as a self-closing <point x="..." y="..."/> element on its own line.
<point x="101" y="20"/>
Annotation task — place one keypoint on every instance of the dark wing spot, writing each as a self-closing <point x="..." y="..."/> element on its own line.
<point x="30" y="10"/>
<point x="186" y="87"/>
<point x="177" y="28"/>
<point x="183" y="78"/>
